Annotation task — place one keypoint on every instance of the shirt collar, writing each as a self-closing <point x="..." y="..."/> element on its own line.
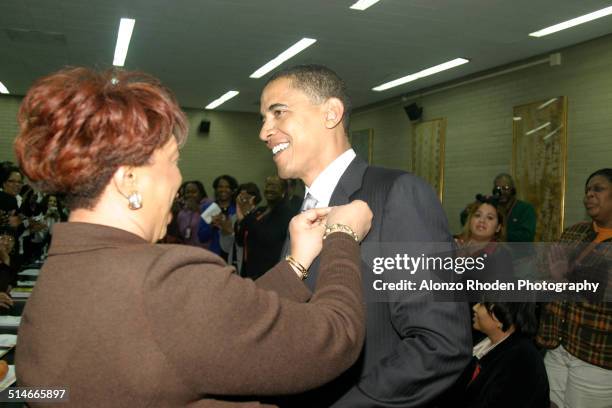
<point x="324" y="185"/>
<point x="485" y="346"/>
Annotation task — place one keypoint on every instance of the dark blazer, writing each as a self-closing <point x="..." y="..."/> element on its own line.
<point x="125" y="323"/>
<point x="512" y="375"/>
<point x="263" y="235"/>
<point x="415" y="347"/>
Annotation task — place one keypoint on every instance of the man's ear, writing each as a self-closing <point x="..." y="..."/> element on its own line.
<point x="334" y="111"/>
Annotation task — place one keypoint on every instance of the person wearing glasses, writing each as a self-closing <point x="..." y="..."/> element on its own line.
<point x="11" y="182"/>
<point x="520" y="216"/>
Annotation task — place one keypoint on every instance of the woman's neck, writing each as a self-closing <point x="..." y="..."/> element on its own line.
<point x="223" y="203"/>
<point x="603" y="224"/>
<point x="478" y="244"/>
<point x="500" y="335"/>
<point x="119" y="220"/>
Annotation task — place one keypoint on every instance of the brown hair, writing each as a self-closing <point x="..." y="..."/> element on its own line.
<point x="77" y="126"/>
<point x="473" y="207"/>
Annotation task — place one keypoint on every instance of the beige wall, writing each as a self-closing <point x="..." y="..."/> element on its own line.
<point x="479" y="125"/>
<point x="9" y="105"/>
<point x="232" y="146"/>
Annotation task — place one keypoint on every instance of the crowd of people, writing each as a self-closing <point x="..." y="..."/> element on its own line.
<point x="27" y="218"/>
<point x="272" y="311"/>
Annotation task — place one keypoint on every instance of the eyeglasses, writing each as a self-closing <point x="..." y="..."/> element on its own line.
<point x="502" y="188"/>
<point x="14" y="181"/>
<point x="7" y="239"/>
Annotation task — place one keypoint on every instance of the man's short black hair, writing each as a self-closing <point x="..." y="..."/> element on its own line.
<point x="319" y="83"/>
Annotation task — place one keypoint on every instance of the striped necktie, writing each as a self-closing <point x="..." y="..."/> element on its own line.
<point x="309" y="202"/>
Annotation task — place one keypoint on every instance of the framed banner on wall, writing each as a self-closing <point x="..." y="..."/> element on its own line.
<point x="539" y="155"/>
<point x="428" y="153"/>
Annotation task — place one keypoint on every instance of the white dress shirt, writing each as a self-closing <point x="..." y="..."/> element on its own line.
<point x="325" y="183"/>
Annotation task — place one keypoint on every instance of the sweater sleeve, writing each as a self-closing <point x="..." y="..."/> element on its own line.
<point x="224" y="335"/>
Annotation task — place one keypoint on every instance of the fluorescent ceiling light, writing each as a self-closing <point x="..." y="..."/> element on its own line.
<point x="426" y="72"/>
<point x="3" y="88"/>
<point x="126" y="26"/>
<point x="226" y="96"/>
<point x="364" y="4"/>
<point x="573" y="22"/>
<point x="284" y="56"/>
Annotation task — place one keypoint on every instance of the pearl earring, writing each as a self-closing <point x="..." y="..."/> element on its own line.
<point x="135" y="200"/>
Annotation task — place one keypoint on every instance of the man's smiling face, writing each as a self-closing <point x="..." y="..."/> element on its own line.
<point x="293" y="129"/>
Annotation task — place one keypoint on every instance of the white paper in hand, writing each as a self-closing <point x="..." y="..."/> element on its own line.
<point x="210" y="212"/>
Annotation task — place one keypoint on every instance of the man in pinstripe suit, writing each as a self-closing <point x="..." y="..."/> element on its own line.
<point x="415" y="347"/>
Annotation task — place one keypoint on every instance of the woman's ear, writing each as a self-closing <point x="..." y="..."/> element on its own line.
<point x="495" y="319"/>
<point x="126" y="183"/>
<point x="124" y="180"/>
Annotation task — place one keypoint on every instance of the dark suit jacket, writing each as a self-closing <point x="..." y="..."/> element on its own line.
<point x="124" y="323"/>
<point x="415" y="348"/>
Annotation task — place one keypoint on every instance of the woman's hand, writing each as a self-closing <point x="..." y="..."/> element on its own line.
<point x="356" y="215"/>
<point x="306" y="233"/>
<point x="192" y="204"/>
<point x="6" y="302"/>
<point x="223" y="222"/>
<point x="557" y="262"/>
<point x="245" y="203"/>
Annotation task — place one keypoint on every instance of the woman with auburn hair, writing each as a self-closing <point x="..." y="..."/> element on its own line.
<point x="143" y="324"/>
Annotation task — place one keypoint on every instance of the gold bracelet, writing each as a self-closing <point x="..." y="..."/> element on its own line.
<point x="302" y="272"/>
<point x="340" y="228"/>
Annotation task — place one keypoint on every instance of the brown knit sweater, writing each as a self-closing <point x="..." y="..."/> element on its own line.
<point x="125" y="323"/>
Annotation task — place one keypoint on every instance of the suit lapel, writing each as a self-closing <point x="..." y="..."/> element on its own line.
<point x="349" y="183"/>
